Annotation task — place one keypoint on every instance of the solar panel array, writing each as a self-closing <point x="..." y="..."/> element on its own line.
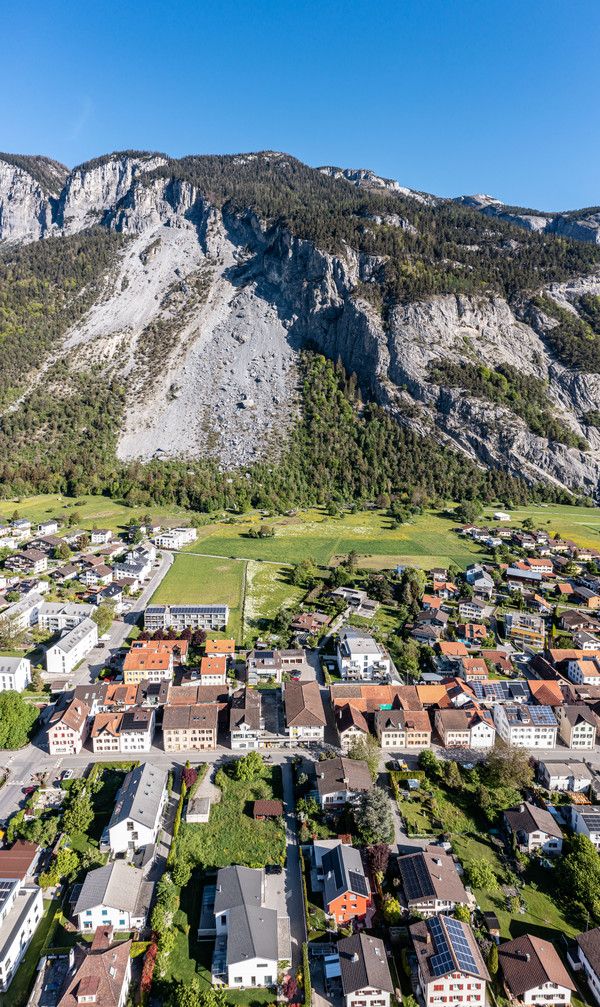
<point x="415" y="877"/>
<point x="452" y="947"/>
<point x="542" y="715"/>
<point x="358" y="883"/>
<point x="6" y="887"/>
<point x="591" y="819"/>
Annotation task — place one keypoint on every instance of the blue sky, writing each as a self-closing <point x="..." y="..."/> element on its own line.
<point x="449" y="97"/>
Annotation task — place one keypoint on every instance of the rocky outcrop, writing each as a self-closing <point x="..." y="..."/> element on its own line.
<point x="585" y="228"/>
<point x="25" y="209"/>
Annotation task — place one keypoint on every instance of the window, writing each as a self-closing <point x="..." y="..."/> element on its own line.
<point x="105" y="912"/>
<point x="238" y="979"/>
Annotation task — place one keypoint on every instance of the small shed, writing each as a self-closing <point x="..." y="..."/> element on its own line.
<point x="198" y="810"/>
<point x="267" y="809"/>
<point x="493" y="926"/>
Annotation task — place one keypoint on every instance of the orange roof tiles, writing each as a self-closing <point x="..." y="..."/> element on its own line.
<point x="219" y="647"/>
<point x="213" y="666"/>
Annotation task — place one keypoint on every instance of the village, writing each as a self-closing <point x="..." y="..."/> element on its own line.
<point x="378" y="798"/>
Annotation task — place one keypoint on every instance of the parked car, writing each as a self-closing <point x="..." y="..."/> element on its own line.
<point x="67" y="775"/>
<point x="274" y="869"/>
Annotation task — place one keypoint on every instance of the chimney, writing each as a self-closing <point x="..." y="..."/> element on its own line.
<point x="321" y="776"/>
<point x="527" y="956"/>
<point x="427" y="937"/>
<point x="355" y="956"/>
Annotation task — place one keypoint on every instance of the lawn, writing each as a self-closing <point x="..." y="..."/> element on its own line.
<point x="95" y="511"/>
<point x="232" y="836"/>
<point x="582" y="524"/>
<point x="18" y="991"/>
<point x="452" y="812"/>
<point x="189" y="958"/>
<point x="205" y="581"/>
<point x="103" y="803"/>
<point x="268" y="589"/>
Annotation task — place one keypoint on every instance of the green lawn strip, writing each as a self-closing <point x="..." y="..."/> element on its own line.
<point x="232" y="836"/>
<point x="205" y="581"/>
<point x="19" y="989"/>
<point x="268" y="588"/>
<point x="190" y="958"/>
<point x="254" y="996"/>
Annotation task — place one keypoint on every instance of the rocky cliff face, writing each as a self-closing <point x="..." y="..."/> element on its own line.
<point x="585" y="228"/>
<point x="207" y="310"/>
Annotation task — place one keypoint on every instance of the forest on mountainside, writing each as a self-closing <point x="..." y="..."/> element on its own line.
<point x="447" y="248"/>
<point x="575" y="341"/>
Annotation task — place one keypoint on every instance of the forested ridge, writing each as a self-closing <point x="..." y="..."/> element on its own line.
<point x="340" y="450"/>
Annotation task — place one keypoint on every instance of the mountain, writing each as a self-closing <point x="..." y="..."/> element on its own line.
<point x="155" y="308"/>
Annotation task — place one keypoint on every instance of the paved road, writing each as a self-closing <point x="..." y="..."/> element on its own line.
<point x="293" y="891"/>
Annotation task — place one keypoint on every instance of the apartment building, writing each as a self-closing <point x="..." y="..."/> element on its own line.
<point x="21" y="909"/>
<point x="576" y="726"/>
<point x="135" y="821"/>
<point x="526" y="726"/>
<point x="73" y="647"/>
<point x="403" y="728"/>
<point x="523" y="629"/>
<point x="55" y="617"/>
<point x="175" y="538"/>
<point x="15" y="673"/>
<point x="69" y="729"/>
<point x="180" y="617"/>
<point x="150" y="665"/>
<point x="190" y="728"/>
<point x="304" y="714"/>
<point x="245" y="719"/>
<point x="360" y="657"/>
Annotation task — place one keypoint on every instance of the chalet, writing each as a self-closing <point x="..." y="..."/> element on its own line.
<point x="532" y="972"/>
<point x="534" y="828"/>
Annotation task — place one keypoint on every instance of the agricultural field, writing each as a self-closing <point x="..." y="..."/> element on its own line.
<point x="268" y="588"/>
<point x="94" y="511"/>
<point x="582" y="524"/>
<point x="205" y="581"/>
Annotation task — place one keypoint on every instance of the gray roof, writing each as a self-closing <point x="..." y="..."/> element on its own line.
<point x="528" y="818"/>
<point x="343" y="871"/>
<point x="140" y="796"/>
<point x="363" y="963"/>
<point x="9" y="665"/>
<point x="117" y="885"/>
<point x="74" y="636"/>
<point x="252" y="926"/>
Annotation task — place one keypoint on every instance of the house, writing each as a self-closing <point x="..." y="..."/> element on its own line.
<point x="135" y="821"/>
<point x="532" y="972"/>
<point x="524" y="629"/>
<point x="481" y="726"/>
<point x="526" y="726"/>
<point x="426" y="634"/>
<point x="364" y="971"/>
<point x="346" y="889"/>
<point x="15" y="673"/>
<point x="584" y="671"/>
<point x="429" y="601"/>
<point x="47" y="527"/>
<point x="150" y="694"/>
<point x="430" y="882"/>
<point x="479" y="579"/>
<point x="588" y="958"/>
<point x="471" y="608"/>
<point x="585" y="821"/>
<point x="213" y="670"/>
<point x="565" y="776"/>
<point x="534" y="828"/>
<point x="472" y="669"/>
<point x="310" y="622"/>
<point x="576" y="726"/>
<point x="582" y="640"/>
<point x="137" y="730"/>
<point x="64" y="573"/>
<point x="588" y="597"/>
<point x="360" y="657"/>
<point x="106" y="732"/>
<point x="20" y="861"/>
<point x="97" y="574"/>
<point x="433" y="616"/>
<point x="403" y="728"/>
<point x="264" y="666"/>
<point x="451" y="652"/>
<point x="100" y="536"/>
<point x="453" y="728"/>
<point x="350" y="724"/>
<point x="68" y="729"/>
<point x="54" y="617"/>
<point x="472" y="634"/>
<point x="192" y="727"/>
<point x="178" y="648"/>
<point x="21" y="909"/>
<point x="98" y="973"/>
<point x="115" y="895"/>
<point x="180" y="617"/>
<point x="264" y="810"/>
<point x="304" y="714"/>
<point x="22" y="614"/>
<point x="573" y="620"/>
<point x="248" y="945"/>
<point x="341" y="781"/>
<point x="149" y="664"/>
<point x="21" y="527"/>
<point x="219" y="648"/>
<point x="31" y="561"/>
<point x="369" y="697"/>
<point x="73" y="646"/>
<point x="244" y="719"/>
<point x="449" y="962"/>
<point x="175" y="538"/>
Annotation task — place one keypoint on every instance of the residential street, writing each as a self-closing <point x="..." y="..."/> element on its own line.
<point x="293" y="889"/>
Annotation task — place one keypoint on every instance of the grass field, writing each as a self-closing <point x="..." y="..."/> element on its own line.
<point x="268" y="588"/>
<point x="205" y="581"/>
<point x="582" y="524"/>
<point x="95" y="511"/>
<point x="232" y="836"/>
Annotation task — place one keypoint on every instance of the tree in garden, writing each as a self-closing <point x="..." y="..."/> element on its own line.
<point x="65" y="863"/>
<point x="186" y="634"/>
<point x="392" y="911"/>
<point x="79" y="815"/>
<point x="189" y="775"/>
<point x="144" y="635"/>
<point x="578" y="874"/>
<point x="452" y="776"/>
<point x="366" y="750"/>
<point x="171" y="634"/>
<point x="481" y="875"/>
<point x="508" y="766"/>
<point x="378" y="856"/>
<point x="290" y="988"/>
<point x="199" y="637"/>
<point x="181" y="873"/>
<point x="492" y="962"/>
<point x="249" y="767"/>
<point x="103" y="617"/>
<point x="373" y="817"/>
<point x="430" y="764"/>
<point x="47" y="879"/>
<point x="462" y="913"/>
<point x="16" y="719"/>
<point x="158" y="634"/>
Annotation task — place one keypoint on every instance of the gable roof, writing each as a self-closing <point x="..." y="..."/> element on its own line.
<point x="590" y="945"/>
<point x="529" y="818"/>
<point x="431" y="872"/>
<point x="199" y="715"/>
<point x="348" y="716"/>
<point x="303" y="705"/>
<point x="332" y="773"/>
<point x="140" y="796"/>
<point x="118" y="885"/>
<point x="363" y="963"/>
<point x="100" y="969"/>
<point x="434" y="942"/>
<point x="252" y="926"/>
<point x="529" y="962"/>
<point x="343" y="872"/>
<point x="245" y="709"/>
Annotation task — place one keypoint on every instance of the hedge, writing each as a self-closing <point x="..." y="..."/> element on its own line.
<point x="177" y="821"/>
<point x="304" y="889"/>
<point x="201" y="774"/>
<point x="306" y="971"/>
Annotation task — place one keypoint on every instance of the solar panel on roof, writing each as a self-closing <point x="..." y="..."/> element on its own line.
<point x="478" y="689"/>
<point x="415" y="878"/>
<point x="460" y="945"/>
<point x="542" y="715"/>
<point x="358" y="883"/>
